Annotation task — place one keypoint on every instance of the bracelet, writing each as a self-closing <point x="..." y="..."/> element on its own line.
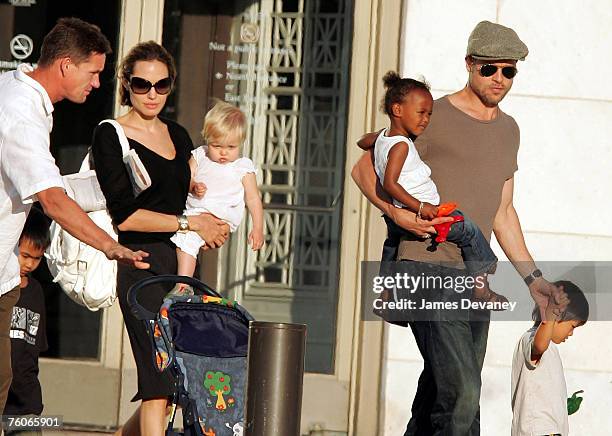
<point x="420" y="210"/>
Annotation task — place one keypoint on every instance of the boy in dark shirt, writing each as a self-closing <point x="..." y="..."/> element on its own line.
<point x="28" y="337"/>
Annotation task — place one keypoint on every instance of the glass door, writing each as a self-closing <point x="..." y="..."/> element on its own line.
<point x="286" y="64"/>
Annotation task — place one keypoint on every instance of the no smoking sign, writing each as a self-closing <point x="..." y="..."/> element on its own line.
<point x="21" y="46"/>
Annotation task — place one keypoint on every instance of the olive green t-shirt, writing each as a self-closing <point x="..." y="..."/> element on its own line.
<point x="470" y="160"/>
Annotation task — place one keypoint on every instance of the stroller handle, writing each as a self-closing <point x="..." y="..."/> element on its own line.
<point x="143" y="314"/>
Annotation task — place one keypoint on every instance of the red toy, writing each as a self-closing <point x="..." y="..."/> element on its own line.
<point x="444" y="210"/>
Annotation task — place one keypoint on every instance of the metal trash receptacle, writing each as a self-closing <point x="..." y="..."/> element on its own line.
<point x="275" y="379"/>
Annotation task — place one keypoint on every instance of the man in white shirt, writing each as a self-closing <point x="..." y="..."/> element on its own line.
<point x="72" y="58"/>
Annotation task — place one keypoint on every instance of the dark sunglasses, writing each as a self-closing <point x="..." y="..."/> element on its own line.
<point x="487" y="70"/>
<point x="138" y="85"/>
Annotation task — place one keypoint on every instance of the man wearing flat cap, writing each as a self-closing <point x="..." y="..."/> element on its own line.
<point x="471" y="147"/>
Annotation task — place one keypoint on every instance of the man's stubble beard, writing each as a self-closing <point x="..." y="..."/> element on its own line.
<point x="488" y="100"/>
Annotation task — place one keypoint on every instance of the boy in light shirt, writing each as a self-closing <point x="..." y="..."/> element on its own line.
<point x="539" y="392"/>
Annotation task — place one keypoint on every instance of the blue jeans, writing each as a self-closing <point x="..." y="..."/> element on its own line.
<point x="391" y="244"/>
<point x="447" y="400"/>
<point x="475" y="249"/>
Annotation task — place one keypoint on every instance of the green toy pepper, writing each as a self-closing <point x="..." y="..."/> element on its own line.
<point x="573" y="403"/>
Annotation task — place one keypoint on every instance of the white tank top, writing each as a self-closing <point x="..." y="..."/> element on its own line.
<point x="415" y="175"/>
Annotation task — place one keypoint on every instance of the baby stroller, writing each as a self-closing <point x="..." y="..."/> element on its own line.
<point x="202" y="339"/>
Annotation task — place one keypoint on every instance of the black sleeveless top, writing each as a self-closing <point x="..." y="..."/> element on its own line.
<point x="169" y="179"/>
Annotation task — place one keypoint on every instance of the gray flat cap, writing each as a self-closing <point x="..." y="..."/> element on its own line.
<point x="489" y="41"/>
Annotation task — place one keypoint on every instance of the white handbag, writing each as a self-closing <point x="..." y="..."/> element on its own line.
<point x="83" y="187"/>
<point x="138" y="173"/>
<point x="83" y="272"/>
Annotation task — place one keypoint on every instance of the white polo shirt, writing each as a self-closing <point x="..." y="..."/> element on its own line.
<point x="26" y="164"/>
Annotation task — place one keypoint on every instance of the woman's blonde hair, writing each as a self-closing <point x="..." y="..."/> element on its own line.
<point x="222" y="121"/>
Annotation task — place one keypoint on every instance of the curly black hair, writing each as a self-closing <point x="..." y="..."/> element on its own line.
<point x="397" y="89"/>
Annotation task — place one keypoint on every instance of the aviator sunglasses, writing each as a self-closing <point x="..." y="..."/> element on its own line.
<point x="487" y="70"/>
<point x="138" y="85"/>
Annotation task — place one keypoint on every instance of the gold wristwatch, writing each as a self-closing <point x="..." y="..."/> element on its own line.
<point x="183" y="223"/>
